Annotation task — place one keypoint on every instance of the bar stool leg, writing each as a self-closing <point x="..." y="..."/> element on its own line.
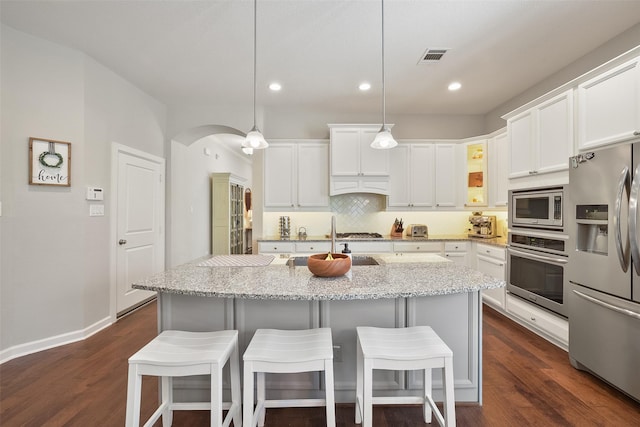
<point x="449" y="402"/>
<point x="134" y="392"/>
<point x="167" y="401"/>
<point x="427" y="394"/>
<point x="367" y="383"/>
<point x="359" y="395"/>
<point x="216" y="395"/>
<point x="236" y="399"/>
<point x="261" y="390"/>
<point x="329" y="397"/>
<point x="247" y="407"/>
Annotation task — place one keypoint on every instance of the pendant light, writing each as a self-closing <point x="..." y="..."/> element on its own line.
<point x="254" y="139"/>
<point x="384" y="139"/>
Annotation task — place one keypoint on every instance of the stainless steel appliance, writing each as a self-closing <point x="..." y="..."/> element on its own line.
<point x="417" y="230"/>
<point x="602" y="278"/>
<point x="537" y="208"/>
<point x="483" y="226"/>
<point x="536" y="267"/>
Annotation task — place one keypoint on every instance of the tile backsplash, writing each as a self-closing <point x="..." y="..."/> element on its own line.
<point x="365" y="212"/>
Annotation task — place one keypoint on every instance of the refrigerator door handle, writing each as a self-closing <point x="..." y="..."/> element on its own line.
<point x="633" y="219"/>
<point x="615" y="308"/>
<point x="623" y="253"/>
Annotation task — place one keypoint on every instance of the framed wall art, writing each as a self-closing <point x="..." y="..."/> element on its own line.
<point x="49" y="162"/>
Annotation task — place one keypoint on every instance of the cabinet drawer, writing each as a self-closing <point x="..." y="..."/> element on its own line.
<point x="276" y="247"/>
<point x="491" y="251"/>
<point x="553" y="325"/>
<point x="367" y="247"/>
<point x="455" y="246"/>
<point x="417" y="247"/>
<point x="314" y="247"/>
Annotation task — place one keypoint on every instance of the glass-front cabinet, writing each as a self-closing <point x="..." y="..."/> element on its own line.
<point x="476" y="179"/>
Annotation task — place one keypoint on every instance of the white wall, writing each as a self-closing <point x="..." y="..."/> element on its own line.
<point x="55" y="283"/>
<point x="191" y="191"/>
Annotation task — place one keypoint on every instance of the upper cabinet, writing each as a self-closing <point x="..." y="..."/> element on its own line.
<point x="476" y="193"/>
<point x="422" y="176"/>
<point x="355" y="166"/>
<point x="609" y="107"/>
<point x="541" y="137"/>
<point x="296" y="175"/>
<point x="498" y="173"/>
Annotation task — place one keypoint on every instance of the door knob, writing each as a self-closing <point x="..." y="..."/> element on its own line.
<point x="122" y="242"/>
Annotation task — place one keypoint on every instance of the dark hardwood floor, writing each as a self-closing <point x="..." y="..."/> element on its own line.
<point x="527" y="382"/>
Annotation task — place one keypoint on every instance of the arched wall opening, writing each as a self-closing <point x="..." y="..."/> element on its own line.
<point x="194" y="154"/>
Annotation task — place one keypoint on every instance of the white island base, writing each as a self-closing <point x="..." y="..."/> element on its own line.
<point x="455" y="317"/>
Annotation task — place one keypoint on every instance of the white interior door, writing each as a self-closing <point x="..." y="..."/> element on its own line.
<point x="139" y="195"/>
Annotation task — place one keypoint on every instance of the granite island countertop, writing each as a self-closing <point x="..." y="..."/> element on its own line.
<point x="396" y="276"/>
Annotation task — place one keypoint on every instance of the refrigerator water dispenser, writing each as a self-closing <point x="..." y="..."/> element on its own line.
<point x="593" y="229"/>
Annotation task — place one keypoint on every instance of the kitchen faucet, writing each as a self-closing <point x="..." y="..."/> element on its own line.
<point x="333" y="234"/>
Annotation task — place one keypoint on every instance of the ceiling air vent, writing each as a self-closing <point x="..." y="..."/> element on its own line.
<point x="432" y="55"/>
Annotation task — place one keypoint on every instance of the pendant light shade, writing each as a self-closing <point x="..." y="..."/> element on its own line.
<point x="254" y="139"/>
<point x="383" y="140"/>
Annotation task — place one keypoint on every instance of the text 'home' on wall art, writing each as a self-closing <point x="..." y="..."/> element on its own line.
<point x="49" y="162"/>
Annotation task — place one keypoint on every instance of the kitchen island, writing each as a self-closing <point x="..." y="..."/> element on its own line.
<point x="420" y="289"/>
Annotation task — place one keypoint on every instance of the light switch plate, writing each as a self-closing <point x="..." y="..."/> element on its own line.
<point x="96" y="210"/>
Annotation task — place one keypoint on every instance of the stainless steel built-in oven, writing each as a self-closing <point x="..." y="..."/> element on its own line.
<point x="537" y="208"/>
<point x="536" y="268"/>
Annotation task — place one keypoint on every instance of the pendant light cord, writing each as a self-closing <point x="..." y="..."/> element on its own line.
<point x="383" y="89"/>
<point x="255" y="60"/>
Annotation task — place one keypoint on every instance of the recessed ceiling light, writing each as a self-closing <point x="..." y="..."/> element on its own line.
<point x="275" y="87"/>
<point x="455" y="86"/>
<point x="364" y="86"/>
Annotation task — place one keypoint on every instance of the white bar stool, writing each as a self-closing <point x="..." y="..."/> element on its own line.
<point x="178" y="354"/>
<point x="413" y="348"/>
<point x="284" y="351"/>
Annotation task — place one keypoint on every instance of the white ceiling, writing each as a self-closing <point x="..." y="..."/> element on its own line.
<point x="201" y="52"/>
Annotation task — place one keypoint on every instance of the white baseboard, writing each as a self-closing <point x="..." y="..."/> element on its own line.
<point x="51" y="342"/>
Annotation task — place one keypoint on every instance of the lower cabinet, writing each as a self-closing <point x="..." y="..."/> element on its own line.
<point x="549" y="326"/>
<point x="491" y="260"/>
<point x="457" y="252"/>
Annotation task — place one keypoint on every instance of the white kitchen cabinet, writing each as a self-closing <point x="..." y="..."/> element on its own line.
<point x="417" y="246"/>
<point x="423" y="176"/>
<point x="498" y="170"/>
<point x="411" y="182"/>
<point x="366" y="247"/>
<point x="541" y="138"/>
<point x="609" y="107"/>
<point x="457" y="252"/>
<point x="355" y="166"/>
<point x="283" y="247"/>
<point x="296" y="175"/>
<point x="227" y="212"/>
<point x="446" y="182"/>
<point x="312" y="247"/>
<point x="553" y="328"/>
<point x="491" y="260"/>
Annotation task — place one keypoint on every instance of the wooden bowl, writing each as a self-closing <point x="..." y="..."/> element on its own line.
<point x="338" y="266"/>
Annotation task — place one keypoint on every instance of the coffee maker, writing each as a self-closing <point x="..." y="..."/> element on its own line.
<point x="482" y="226"/>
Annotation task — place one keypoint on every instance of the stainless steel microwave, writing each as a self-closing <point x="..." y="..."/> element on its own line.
<point x="537" y="208"/>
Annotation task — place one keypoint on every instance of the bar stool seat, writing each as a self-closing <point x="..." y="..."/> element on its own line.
<point x="177" y="354"/>
<point x="412" y="348"/>
<point x="286" y="351"/>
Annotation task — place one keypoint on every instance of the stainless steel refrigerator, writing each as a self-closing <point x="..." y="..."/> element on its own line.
<point x="602" y="280"/>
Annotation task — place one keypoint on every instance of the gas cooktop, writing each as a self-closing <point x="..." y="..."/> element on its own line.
<point x="359" y="235"/>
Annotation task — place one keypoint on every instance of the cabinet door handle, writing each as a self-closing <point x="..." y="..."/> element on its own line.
<point x="636" y="133"/>
<point x="122" y="242"/>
